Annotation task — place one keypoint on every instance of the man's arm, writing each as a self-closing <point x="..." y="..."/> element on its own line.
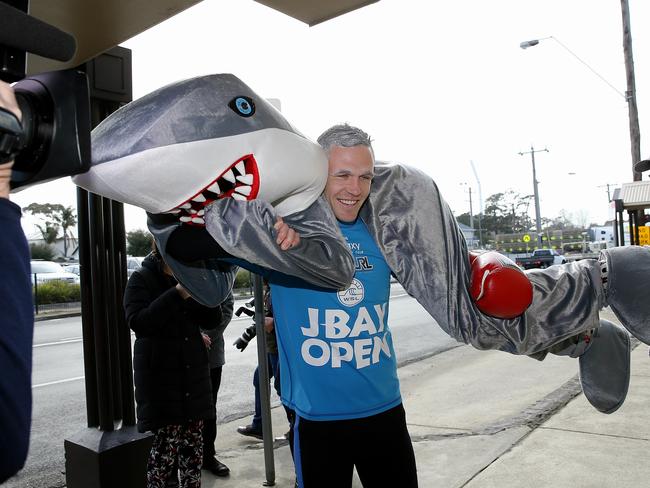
<point x="16" y="323"/>
<point x="307" y="245"/>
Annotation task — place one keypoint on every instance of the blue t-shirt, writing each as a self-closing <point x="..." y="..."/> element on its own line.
<point x="336" y="351"/>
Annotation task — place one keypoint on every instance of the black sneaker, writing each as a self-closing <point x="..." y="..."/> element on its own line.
<point x="250" y="432"/>
<point x="216" y="467"/>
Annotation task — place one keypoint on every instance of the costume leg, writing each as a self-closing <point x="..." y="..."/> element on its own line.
<point x="162" y="456"/>
<point x="190" y="454"/>
<point x="604" y="357"/>
<point x="627" y="277"/>
<point x="605" y="367"/>
<point x="384" y="452"/>
<point x="322" y="453"/>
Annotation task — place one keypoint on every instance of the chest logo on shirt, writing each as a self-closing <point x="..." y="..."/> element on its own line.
<point x="362" y="264"/>
<point x="352" y="295"/>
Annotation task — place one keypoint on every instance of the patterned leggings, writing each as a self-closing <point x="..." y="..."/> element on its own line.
<point x="176" y="446"/>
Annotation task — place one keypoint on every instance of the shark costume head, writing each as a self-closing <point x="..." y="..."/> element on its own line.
<point x="180" y="148"/>
<point x="204" y="139"/>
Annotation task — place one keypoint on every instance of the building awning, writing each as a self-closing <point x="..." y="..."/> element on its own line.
<point x="635" y="195"/>
<point x="99" y="25"/>
<point x="315" y="12"/>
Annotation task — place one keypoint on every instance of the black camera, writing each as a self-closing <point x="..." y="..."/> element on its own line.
<point x="247" y="336"/>
<point x="54" y="138"/>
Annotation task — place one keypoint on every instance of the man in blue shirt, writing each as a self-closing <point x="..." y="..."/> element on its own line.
<point x="336" y="351"/>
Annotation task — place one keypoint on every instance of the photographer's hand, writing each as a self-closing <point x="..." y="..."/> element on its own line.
<point x="7" y="102"/>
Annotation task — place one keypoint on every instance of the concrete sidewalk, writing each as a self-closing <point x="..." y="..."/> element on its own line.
<point x="490" y="419"/>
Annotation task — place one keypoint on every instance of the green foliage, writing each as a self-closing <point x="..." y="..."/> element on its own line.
<point x="243" y="279"/>
<point x="55" y="216"/>
<point x="138" y="243"/>
<point x="41" y="251"/>
<point x="57" y="292"/>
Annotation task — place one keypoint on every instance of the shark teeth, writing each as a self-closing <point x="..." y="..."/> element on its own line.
<point x="246" y="179"/>
<point x="244" y="190"/>
<point x="214" y="188"/>
<point x="237" y="182"/>
<point x="229" y="176"/>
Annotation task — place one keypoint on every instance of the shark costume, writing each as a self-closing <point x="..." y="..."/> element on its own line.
<point x="210" y="152"/>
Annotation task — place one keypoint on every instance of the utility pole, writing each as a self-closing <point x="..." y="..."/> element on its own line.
<point x="608" y="186"/>
<point x="630" y="94"/>
<point x="538" y="217"/>
<point x="471" y="211"/>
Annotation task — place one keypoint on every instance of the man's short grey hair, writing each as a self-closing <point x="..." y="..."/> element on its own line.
<point x="344" y="135"/>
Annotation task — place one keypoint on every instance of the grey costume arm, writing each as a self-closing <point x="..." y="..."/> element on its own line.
<point x="426" y="251"/>
<point x="245" y="230"/>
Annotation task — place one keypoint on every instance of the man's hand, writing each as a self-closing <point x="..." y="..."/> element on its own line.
<point x="287" y="238"/>
<point x="206" y="340"/>
<point x="268" y="324"/>
<point x="182" y="291"/>
<point x="8" y="102"/>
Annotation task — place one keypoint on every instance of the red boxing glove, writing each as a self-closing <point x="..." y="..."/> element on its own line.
<point x="498" y="286"/>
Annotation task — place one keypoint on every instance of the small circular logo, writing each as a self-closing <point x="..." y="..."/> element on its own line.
<point x="352" y="295"/>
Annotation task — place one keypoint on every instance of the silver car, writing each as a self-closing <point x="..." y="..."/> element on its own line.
<point x="44" y="271"/>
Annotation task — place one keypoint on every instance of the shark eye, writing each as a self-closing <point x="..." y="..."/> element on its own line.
<point x="243" y="106"/>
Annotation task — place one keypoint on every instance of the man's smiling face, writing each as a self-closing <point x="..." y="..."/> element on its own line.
<point x="348" y="183"/>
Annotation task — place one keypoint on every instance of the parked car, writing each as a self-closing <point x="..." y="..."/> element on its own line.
<point x="73" y="268"/>
<point x="132" y="263"/>
<point x="541" y="258"/>
<point x="45" y="271"/>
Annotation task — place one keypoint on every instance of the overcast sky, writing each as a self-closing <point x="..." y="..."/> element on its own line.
<point x="436" y="84"/>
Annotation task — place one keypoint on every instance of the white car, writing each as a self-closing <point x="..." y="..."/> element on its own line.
<point x="44" y="271"/>
<point x="132" y="263"/>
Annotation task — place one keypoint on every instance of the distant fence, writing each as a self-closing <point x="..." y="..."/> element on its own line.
<point x="55" y="296"/>
<point x="47" y="308"/>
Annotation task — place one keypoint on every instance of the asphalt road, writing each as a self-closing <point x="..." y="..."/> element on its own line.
<point x="59" y="409"/>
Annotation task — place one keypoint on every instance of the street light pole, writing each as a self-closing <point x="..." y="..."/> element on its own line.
<point x="471" y="210"/>
<point x="538" y="217"/>
<point x="630" y="94"/>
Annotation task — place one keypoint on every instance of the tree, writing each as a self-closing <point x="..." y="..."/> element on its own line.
<point x="55" y="217"/>
<point x="138" y="242"/>
<point x="41" y="251"/>
<point x="507" y="213"/>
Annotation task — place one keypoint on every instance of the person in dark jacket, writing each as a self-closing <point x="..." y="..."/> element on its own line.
<point x="217" y="356"/>
<point x="17" y="318"/>
<point x="171" y="369"/>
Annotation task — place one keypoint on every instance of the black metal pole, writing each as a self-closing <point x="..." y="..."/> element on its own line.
<point x="108" y="453"/>
<point x="87" y="308"/>
<point x="100" y="317"/>
<point x="125" y="362"/>
<point x="263" y="374"/>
